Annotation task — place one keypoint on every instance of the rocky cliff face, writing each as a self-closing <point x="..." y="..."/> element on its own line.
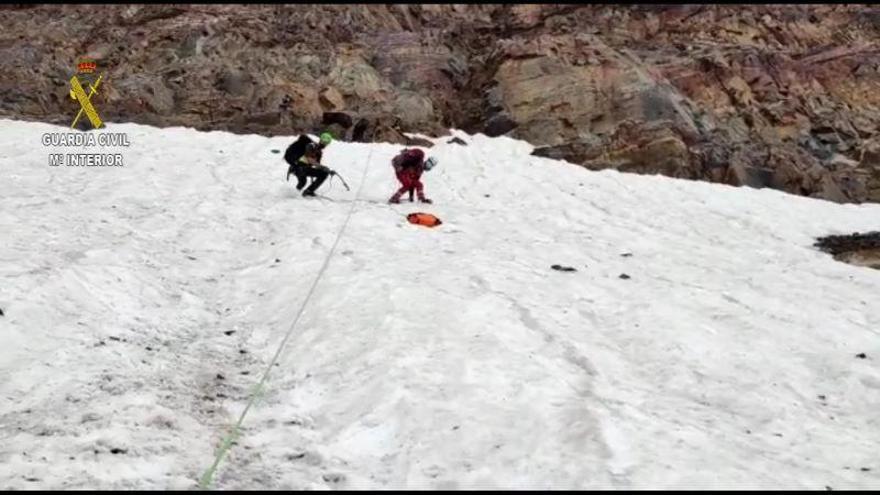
<point x="767" y="96"/>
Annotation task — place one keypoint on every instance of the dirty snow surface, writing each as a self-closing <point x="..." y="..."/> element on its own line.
<point x="143" y="303"/>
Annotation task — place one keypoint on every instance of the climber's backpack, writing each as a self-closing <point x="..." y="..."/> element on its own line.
<point x="426" y="219"/>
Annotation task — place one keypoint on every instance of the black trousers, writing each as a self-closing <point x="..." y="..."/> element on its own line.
<point x="302" y="172"/>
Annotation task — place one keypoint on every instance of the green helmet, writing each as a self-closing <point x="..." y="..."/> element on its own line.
<point x="326" y="138"/>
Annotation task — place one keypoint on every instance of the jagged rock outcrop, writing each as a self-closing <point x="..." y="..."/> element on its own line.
<point x="861" y="249"/>
<point x="765" y="96"/>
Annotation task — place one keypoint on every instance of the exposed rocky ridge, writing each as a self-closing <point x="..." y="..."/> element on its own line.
<point x="768" y="96"/>
<point x="857" y="249"/>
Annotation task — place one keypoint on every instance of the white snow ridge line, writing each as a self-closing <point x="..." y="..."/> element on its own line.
<point x="226" y="444"/>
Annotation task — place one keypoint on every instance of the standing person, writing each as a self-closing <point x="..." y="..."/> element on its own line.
<point x="409" y="165"/>
<point x="304" y="157"/>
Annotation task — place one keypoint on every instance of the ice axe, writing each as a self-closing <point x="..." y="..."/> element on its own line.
<point x="333" y="173"/>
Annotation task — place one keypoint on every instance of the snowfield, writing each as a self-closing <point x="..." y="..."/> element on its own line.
<point x="142" y="304"/>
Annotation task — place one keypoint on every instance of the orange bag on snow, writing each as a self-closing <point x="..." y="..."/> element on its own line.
<point x="425" y="219"/>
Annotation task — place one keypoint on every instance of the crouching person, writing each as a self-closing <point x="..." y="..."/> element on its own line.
<point x="409" y="165"/>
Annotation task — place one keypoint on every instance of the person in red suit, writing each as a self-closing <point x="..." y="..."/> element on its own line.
<point x="409" y="166"/>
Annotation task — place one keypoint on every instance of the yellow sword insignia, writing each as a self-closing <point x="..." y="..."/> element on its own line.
<point x="77" y="93"/>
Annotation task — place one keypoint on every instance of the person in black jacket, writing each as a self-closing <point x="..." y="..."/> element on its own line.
<point x="304" y="157"/>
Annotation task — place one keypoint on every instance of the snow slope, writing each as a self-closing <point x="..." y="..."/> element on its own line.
<point x="143" y="303"/>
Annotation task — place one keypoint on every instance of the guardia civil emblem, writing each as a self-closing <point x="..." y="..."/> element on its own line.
<point x="83" y="86"/>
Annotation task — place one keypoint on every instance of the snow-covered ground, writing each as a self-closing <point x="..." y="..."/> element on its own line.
<point x="143" y="303"/>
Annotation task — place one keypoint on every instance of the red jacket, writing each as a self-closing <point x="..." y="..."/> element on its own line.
<point x="409" y="166"/>
<point x="409" y="158"/>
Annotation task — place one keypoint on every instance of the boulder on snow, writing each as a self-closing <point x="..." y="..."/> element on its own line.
<point x="499" y="125"/>
<point x="343" y="119"/>
<point x="417" y="141"/>
<point x="860" y="249"/>
<point x="372" y="130"/>
<point x="561" y="268"/>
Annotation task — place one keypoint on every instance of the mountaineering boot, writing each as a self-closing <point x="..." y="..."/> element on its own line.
<point x="301" y="180"/>
<point x="318" y="178"/>
<point x="423" y="199"/>
<point x="308" y="194"/>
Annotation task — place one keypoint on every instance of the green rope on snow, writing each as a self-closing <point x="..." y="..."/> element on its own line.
<point x="258" y="391"/>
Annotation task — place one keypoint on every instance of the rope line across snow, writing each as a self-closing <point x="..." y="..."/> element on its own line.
<point x="235" y="432"/>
